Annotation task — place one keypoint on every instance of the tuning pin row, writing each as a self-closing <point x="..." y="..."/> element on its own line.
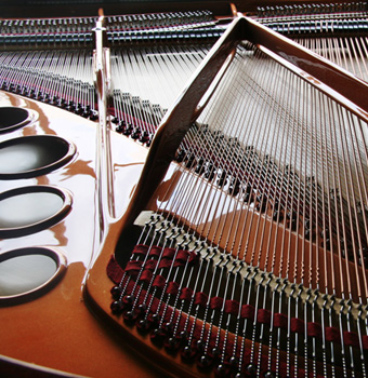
<point x="303" y="9"/>
<point x="136" y="133"/>
<point x="83" y="110"/>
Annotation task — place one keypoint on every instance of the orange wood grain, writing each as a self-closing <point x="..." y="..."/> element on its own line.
<point x="57" y="330"/>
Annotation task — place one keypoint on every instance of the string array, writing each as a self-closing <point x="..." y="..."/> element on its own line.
<point x="255" y="260"/>
<point x="337" y="32"/>
<point x="64" y="78"/>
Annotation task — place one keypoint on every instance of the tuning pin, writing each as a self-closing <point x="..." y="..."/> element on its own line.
<point x="233" y="361"/>
<point x="292" y="217"/>
<point x="204" y="361"/>
<point x="262" y="203"/>
<point x="167" y="328"/>
<point x="221" y="181"/>
<point x="47" y="98"/>
<point x="188" y="354"/>
<point x="222" y="370"/>
<point x="144" y="138"/>
<point x="121" y="126"/>
<point x="234" y="186"/>
<point x="209" y="173"/>
<point x="149" y="141"/>
<point x="199" y="168"/>
<point x="86" y="112"/>
<point x="71" y="106"/>
<point x="180" y="155"/>
<point x="79" y="109"/>
<point x="143" y="326"/>
<point x="251" y="370"/>
<point x="56" y="100"/>
<point x="154" y="320"/>
<point x="200" y="345"/>
<point x="116" y="292"/>
<point x="136" y="134"/>
<point x="127" y="301"/>
<point x="158" y="336"/>
<point x="142" y="308"/>
<point x="94" y="115"/>
<point x="130" y="317"/>
<point x="216" y="352"/>
<point x="239" y="375"/>
<point x="128" y="130"/>
<point x="172" y="344"/>
<point x="117" y="307"/>
<point x="189" y="160"/>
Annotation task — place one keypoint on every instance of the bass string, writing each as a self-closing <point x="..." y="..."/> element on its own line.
<point x="352" y="226"/>
<point x="345" y="322"/>
<point x="350" y="325"/>
<point x="203" y="280"/>
<point x="260" y="169"/>
<point x="315" y="209"/>
<point x="329" y="210"/>
<point x="162" y="240"/>
<point x="265" y="164"/>
<point x="293" y="195"/>
<point x="291" y="207"/>
<point x="351" y="207"/>
<point x="342" y="183"/>
<point x="227" y="157"/>
<point x="192" y="149"/>
<point x="313" y="219"/>
<point x="283" y="133"/>
<point x="231" y="132"/>
<point x="362" y="196"/>
<point x="222" y="272"/>
<point x="351" y="170"/>
<point x="280" y="134"/>
<point x="252" y="185"/>
<point x="262" y="161"/>
<point x="141" y="70"/>
<point x="148" y="290"/>
<point x="296" y="189"/>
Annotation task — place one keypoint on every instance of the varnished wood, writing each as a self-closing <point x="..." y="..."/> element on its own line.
<point x="159" y="159"/>
<point x="57" y="329"/>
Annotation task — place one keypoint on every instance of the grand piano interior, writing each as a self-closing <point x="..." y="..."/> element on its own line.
<point x="183" y="188"/>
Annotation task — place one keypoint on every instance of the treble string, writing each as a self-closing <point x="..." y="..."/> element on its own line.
<point x="276" y="200"/>
<point x="330" y="285"/>
<point x="354" y="225"/>
<point x="224" y="272"/>
<point x="208" y="338"/>
<point x="291" y="218"/>
<point x="179" y="220"/>
<point x="263" y="173"/>
<point x="340" y="220"/>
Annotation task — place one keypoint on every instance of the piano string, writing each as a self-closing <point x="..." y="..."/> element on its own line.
<point x="252" y="256"/>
